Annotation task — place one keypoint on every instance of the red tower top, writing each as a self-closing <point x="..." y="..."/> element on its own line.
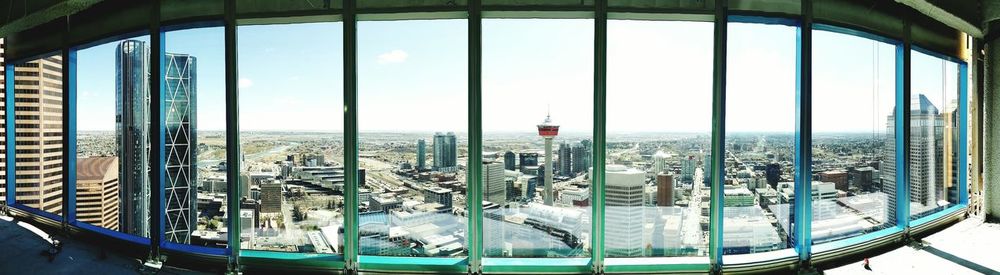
<point x="548" y="129"/>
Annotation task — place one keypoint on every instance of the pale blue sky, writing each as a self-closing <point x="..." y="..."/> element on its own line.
<point x="412" y="77"/>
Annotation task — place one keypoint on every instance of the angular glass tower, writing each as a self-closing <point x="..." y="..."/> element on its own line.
<point x="181" y="147"/>
<point x="132" y="135"/>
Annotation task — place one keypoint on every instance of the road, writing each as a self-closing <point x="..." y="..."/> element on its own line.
<point x="693" y="235"/>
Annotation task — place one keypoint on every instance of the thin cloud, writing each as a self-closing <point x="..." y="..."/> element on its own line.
<point x="245" y="83"/>
<point x="394" y="56"/>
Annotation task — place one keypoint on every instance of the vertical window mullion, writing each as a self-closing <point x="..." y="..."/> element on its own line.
<point x="351" y="136"/>
<point x="963" y="145"/>
<point x="902" y="113"/>
<point x="232" y="135"/>
<point x="600" y="135"/>
<point x="474" y="194"/>
<point x="803" y="138"/>
<point x="69" y="136"/>
<point x="718" y="136"/>
<point x="157" y="131"/>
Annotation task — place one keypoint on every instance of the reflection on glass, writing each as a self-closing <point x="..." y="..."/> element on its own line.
<point x="854" y="161"/>
<point x="291" y="138"/>
<point x="412" y="102"/>
<point x="38" y="122"/>
<point x="537" y="94"/>
<point x="934" y="135"/>
<point x="759" y="146"/>
<point x="195" y="143"/>
<point x="659" y="128"/>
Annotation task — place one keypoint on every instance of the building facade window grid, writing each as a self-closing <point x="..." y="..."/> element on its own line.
<point x="962" y="96"/>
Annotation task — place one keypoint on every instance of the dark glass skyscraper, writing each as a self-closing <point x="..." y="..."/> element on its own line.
<point x="565" y="159"/>
<point x="132" y="135"/>
<point x="581" y="156"/>
<point x="509" y="160"/>
<point x="421" y="155"/>
<point x="445" y="152"/>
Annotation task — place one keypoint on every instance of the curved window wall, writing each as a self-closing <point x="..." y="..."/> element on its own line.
<point x="539" y="114"/>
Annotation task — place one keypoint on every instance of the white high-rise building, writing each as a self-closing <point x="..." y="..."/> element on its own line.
<point x="624" y="211"/>
<point x="660" y="162"/>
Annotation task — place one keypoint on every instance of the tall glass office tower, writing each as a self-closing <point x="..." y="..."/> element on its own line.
<point x="445" y="152"/>
<point x="132" y="135"/>
<point x="181" y="147"/>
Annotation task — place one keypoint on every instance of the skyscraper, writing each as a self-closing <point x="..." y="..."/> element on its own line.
<point x="581" y="156"/>
<point x="925" y="134"/>
<point x="660" y="162"/>
<point x="509" y="161"/>
<point x="527" y="159"/>
<point x="706" y="163"/>
<point x="494" y="182"/>
<point x="445" y="152"/>
<point x="664" y="189"/>
<point x="624" y="211"/>
<point x="181" y="190"/>
<point x="421" y="155"/>
<point x="548" y="130"/>
<point x="132" y="135"/>
<point x="565" y="160"/>
<point x="438" y="195"/>
<point x="38" y="123"/>
<point x="924" y="138"/>
<point x="97" y="191"/>
<point x="688" y="165"/>
<point x="772" y="173"/>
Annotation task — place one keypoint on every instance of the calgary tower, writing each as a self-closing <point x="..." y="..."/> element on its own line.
<point x="548" y="130"/>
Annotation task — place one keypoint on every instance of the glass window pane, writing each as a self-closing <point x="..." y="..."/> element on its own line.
<point x="412" y="98"/>
<point x="537" y="94"/>
<point x="113" y="136"/>
<point x="760" y="134"/>
<point x="659" y="121"/>
<point x="933" y="134"/>
<point x="38" y="119"/>
<point x="854" y="156"/>
<point x="291" y="137"/>
<point x="195" y="144"/>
